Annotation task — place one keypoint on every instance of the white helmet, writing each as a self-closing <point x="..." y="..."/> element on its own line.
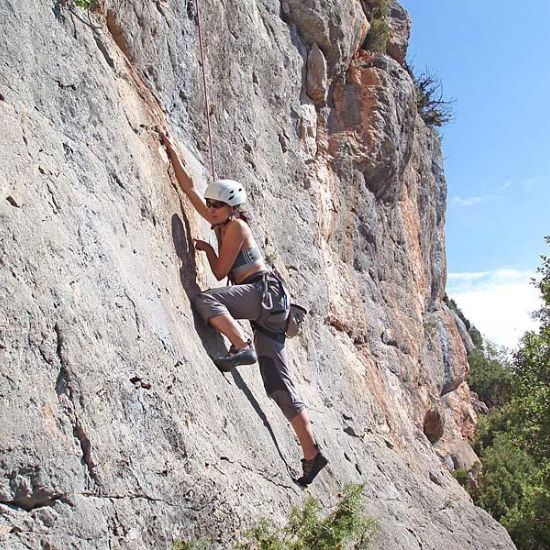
<point x="229" y="191"/>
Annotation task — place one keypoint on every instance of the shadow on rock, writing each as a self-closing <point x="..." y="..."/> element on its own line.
<point x="212" y="340"/>
<point x="241" y="384"/>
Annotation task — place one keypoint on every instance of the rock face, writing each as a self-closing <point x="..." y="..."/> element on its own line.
<point x="116" y="429"/>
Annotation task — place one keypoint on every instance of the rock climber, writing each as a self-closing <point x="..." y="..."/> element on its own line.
<point x="256" y="294"/>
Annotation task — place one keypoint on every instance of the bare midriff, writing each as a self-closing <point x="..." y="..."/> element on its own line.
<point x="249" y="272"/>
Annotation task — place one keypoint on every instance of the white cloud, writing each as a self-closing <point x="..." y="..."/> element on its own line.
<point x="530" y="183"/>
<point x="466" y="278"/>
<point x="499" y="303"/>
<point x="466" y="201"/>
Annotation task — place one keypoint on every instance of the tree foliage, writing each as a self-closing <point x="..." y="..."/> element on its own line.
<point x="85" y="4"/>
<point x="435" y="110"/>
<point x="491" y="374"/>
<point x="89" y="5"/>
<point x="307" y="529"/>
<point x="513" y="442"/>
<point x="379" y="32"/>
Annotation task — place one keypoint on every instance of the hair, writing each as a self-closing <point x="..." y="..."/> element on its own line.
<point x="242" y="214"/>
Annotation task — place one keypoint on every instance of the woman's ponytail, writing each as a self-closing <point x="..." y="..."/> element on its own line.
<point x="242" y="214"/>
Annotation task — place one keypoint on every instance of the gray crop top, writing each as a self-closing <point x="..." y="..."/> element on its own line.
<point x="246" y="259"/>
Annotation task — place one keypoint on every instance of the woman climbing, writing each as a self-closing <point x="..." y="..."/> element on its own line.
<point x="256" y="295"/>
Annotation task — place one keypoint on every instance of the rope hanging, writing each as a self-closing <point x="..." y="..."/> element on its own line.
<point x="206" y="103"/>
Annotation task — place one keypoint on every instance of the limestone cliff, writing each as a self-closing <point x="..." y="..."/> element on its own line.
<point x="116" y="430"/>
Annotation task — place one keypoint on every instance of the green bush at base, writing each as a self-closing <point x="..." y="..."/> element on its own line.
<point x="307" y="529"/>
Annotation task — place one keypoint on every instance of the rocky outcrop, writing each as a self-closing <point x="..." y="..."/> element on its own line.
<point x="338" y="28"/>
<point x="434" y="426"/>
<point x="116" y="430"/>
<point x="463" y="331"/>
<point x="396" y="24"/>
<point x="316" y="75"/>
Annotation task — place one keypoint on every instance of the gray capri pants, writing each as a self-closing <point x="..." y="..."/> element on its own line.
<point x="244" y="301"/>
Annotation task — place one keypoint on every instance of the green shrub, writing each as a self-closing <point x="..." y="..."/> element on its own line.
<point x="513" y="442"/>
<point x="529" y="522"/>
<point x="434" y="109"/>
<point x="531" y="410"/>
<point x="462" y="476"/>
<point x="85" y="4"/>
<point x="491" y="374"/>
<point x="201" y="544"/>
<point x="515" y="490"/>
<point x="379" y="32"/>
<point x="506" y="473"/>
<point x="306" y="529"/>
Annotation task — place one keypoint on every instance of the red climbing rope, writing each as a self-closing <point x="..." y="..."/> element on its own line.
<point x="206" y="103"/>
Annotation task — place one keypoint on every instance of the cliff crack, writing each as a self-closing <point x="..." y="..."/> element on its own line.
<point x="62" y="384"/>
<point x="131" y="496"/>
<point x="12" y="201"/>
<point x="55" y="203"/>
<point x="136" y="315"/>
<point x="104" y="51"/>
<point x="86" y="447"/>
<point x="415" y="537"/>
<point x="64" y="387"/>
<point x="44" y="354"/>
<point x="351" y="432"/>
<point x="160" y="10"/>
<point x="117" y="33"/>
<point x="263" y="474"/>
<point x="41" y="499"/>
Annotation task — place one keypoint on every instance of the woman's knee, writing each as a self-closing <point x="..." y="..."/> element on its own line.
<point x="200" y="299"/>
<point x="202" y="304"/>
<point x="207" y="306"/>
<point x="290" y="405"/>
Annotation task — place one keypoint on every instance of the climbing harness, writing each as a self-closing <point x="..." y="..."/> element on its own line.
<point x="206" y="103"/>
<point x="292" y="313"/>
<point x="267" y="301"/>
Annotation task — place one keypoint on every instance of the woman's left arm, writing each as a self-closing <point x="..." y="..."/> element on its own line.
<point x="230" y="248"/>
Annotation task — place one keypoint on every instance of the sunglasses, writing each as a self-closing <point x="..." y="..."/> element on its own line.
<point x="215" y="204"/>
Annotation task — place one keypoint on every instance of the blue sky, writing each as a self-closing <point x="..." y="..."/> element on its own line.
<point x="492" y="58"/>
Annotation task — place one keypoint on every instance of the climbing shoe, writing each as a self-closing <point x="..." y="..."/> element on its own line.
<point x="234" y="358"/>
<point x="311" y="468"/>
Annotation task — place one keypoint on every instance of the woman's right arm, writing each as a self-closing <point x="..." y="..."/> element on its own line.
<point x="184" y="179"/>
